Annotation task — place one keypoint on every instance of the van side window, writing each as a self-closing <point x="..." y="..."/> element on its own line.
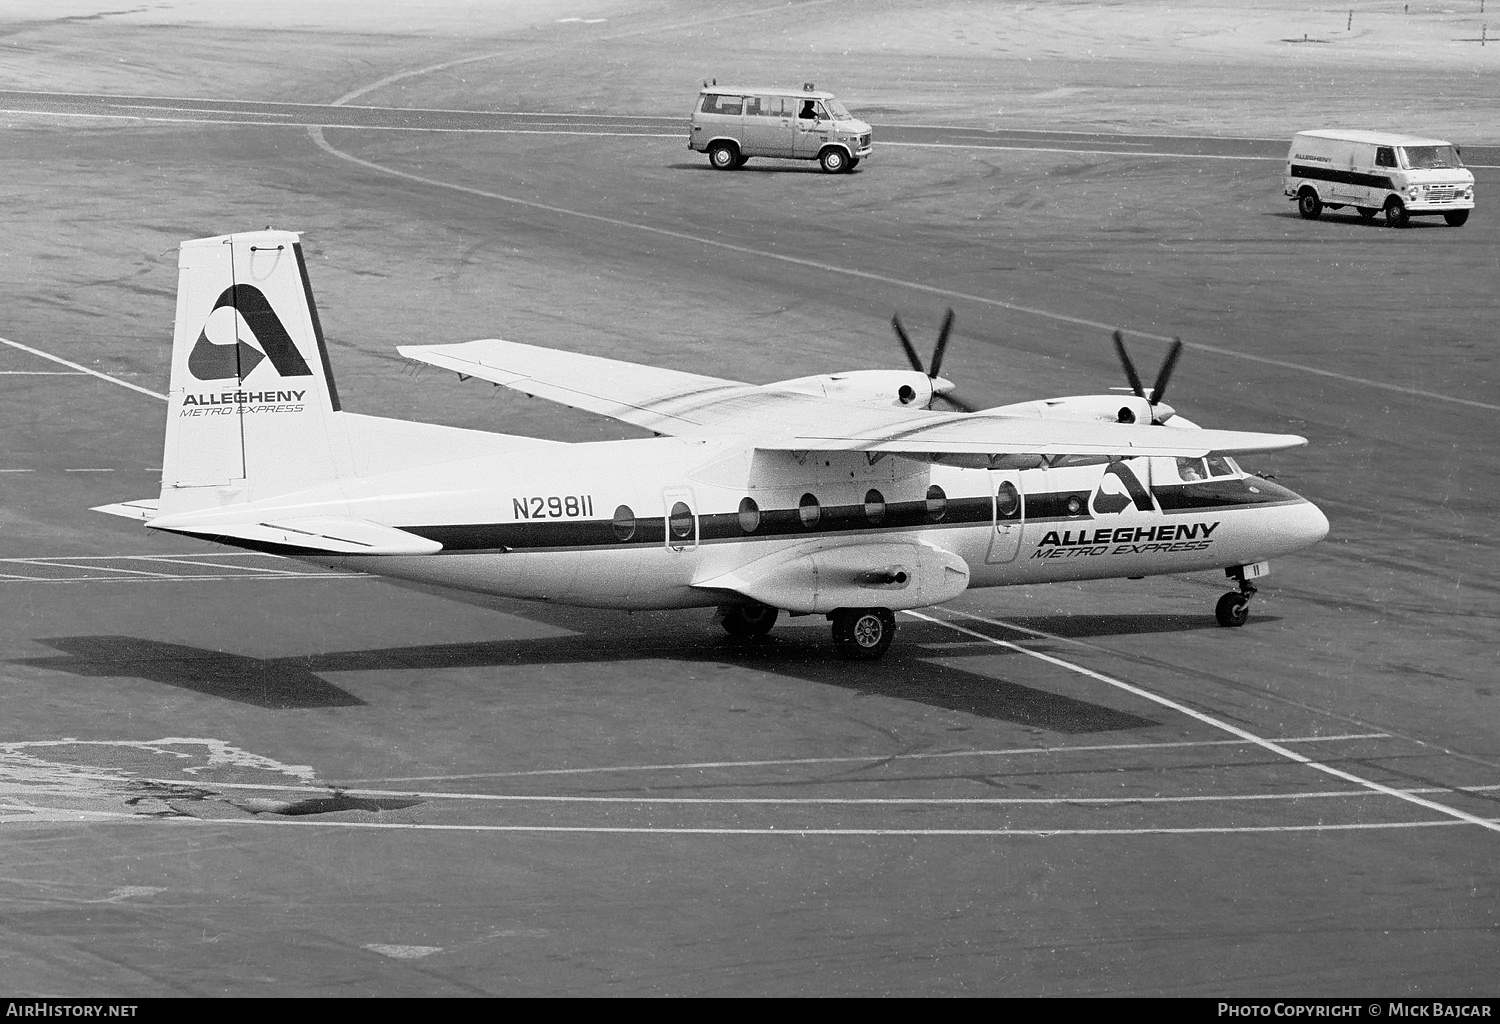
<point x="1385" y="156"/>
<point x="752" y="106"/>
<point x="713" y="103"/>
<point x="765" y="106"/>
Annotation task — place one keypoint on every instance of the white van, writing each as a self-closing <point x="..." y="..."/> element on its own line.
<point x="1402" y="175"/>
<point x="732" y="125"/>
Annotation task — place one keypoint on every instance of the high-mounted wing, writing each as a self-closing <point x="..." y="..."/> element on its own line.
<point x="776" y="419"/>
<point x="980" y="434"/>
<point x="666" y="401"/>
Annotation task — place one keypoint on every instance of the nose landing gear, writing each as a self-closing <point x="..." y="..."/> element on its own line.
<point x="1233" y="608"/>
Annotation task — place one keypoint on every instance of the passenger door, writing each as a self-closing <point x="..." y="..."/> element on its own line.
<point x="768" y="126"/>
<point x="681" y="518"/>
<point x="1008" y="511"/>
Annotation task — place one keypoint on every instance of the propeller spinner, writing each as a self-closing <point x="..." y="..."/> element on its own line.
<point x="940" y="388"/>
<point x="1160" y="412"/>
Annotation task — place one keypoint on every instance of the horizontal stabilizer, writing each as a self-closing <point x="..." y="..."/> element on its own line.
<point x="894" y="576"/>
<point x="326" y="534"/>
<point x="140" y="511"/>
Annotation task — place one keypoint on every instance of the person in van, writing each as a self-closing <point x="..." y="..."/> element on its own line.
<point x="809" y="111"/>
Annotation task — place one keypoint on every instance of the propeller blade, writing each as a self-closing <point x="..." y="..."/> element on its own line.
<point x="1130" y="374"/>
<point x="955" y="401"/>
<point x="1160" y="387"/>
<point x="942" y="343"/>
<point x="911" y="353"/>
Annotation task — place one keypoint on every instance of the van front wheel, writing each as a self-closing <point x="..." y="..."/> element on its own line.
<point x="722" y="156"/>
<point x="1395" y="213"/>
<point x="1309" y="205"/>
<point x="834" y="160"/>
<point x="1456" y="218"/>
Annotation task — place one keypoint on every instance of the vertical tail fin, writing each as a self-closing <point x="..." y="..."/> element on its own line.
<point x="251" y="407"/>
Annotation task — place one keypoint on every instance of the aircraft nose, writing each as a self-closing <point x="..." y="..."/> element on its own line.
<point x="1314" y="524"/>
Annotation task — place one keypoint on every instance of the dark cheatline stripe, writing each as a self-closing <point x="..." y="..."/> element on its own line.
<point x="1345" y="177"/>
<point x="1046" y="507"/>
<point x="312" y="309"/>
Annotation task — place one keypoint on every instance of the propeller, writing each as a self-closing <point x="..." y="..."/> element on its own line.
<point x="941" y="388"/>
<point x="1152" y="397"/>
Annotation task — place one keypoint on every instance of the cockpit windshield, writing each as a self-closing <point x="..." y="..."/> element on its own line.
<point x="838" y="110"/>
<point x="1213" y="466"/>
<point x="1425" y="158"/>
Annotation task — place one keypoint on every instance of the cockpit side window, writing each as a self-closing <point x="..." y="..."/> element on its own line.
<point x="1191" y="470"/>
<point x="1219" y="466"/>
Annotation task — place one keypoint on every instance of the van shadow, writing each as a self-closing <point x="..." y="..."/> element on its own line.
<point x="1352" y="217"/>
<point x="771" y="166"/>
<point x="925" y="667"/>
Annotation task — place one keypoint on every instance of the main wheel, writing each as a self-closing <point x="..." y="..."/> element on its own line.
<point x="1309" y="205"/>
<point x="834" y="160"/>
<point x="1233" y="609"/>
<point x="747" y="621"/>
<point x="863" y="634"/>
<point x="1395" y="213"/>
<point x="1367" y="213"/>
<point x="723" y="156"/>
<point x="1456" y="218"/>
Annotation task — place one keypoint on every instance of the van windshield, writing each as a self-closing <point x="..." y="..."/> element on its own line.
<point x="1421" y="158"/>
<point x="838" y="110"/>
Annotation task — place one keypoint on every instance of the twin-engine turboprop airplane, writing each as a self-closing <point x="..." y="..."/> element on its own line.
<point x="841" y="495"/>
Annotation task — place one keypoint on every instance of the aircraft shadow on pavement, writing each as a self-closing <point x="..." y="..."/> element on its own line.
<point x="908" y="672"/>
<point x="273" y="683"/>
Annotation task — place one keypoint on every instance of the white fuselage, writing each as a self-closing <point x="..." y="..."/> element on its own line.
<point x="544" y="524"/>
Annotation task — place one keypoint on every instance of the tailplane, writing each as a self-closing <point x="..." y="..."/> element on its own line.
<point x="251" y="406"/>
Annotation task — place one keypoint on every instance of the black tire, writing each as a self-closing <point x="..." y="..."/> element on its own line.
<point x="742" y="161"/>
<point x="853" y="162"/>
<point x="723" y="156"/>
<point x="1395" y="213"/>
<point x="1367" y="213"/>
<point x="1233" y="609"/>
<point x="863" y="634"/>
<point x="1456" y="218"/>
<point x="1309" y="205"/>
<point x="834" y="160"/>
<point x="748" y="621"/>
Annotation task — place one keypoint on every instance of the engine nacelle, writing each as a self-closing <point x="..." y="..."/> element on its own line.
<point x="1124" y="408"/>
<point x="898" y="388"/>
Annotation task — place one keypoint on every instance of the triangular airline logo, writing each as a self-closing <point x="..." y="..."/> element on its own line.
<point x="208" y="361"/>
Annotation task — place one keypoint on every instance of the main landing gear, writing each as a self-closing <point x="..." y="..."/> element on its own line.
<point x="1233" y="608"/>
<point x="860" y="634"/>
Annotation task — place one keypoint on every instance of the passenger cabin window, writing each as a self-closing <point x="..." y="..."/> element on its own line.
<point x="1385" y="156"/>
<point x="680" y="521"/>
<point x="713" y="103"/>
<point x="749" y="515"/>
<point x="937" y="503"/>
<point x="809" y="511"/>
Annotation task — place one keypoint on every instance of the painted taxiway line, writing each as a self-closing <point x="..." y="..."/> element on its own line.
<point x="316" y="134"/>
<point x="873" y="760"/>
<point x="1217" y="723"/>
<point x="24" y="813"/>
<point x="817" y="801"/>
<point x="81" y="368"/>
